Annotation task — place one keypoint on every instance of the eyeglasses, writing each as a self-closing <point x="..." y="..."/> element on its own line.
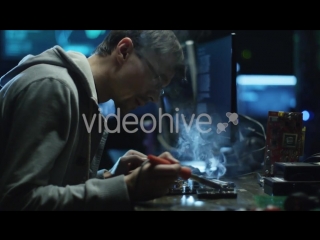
<point x="157" y="77"/>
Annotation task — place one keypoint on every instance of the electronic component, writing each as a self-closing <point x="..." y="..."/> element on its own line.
<point x="186" y="173"/>
<point x="277" y="186"/>
<point x="224" y="185"/>
<point x="184" y="185"/>
<point x="212" y="183"/>
<point x="216" y="193"/>
<point x="181" y="187"/>
<point x="298" y="171"/>
<point x="284" y="139"/>
<point x="302" y="202"/>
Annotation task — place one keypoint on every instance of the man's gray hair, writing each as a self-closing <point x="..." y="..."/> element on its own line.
<point x="160" y="42"/>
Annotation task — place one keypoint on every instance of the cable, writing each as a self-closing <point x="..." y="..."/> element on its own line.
<point x="258" y="123"/>
<point x="316" y="155"/>
<point x="253" y="151"/>
<point x="254" y="131"/>
<point x="263" y="134"/>
<point x="243" y="175"/>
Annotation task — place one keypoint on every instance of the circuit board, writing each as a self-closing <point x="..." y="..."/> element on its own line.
<point x="185" y="187"/>
<point x="284" y="139"/>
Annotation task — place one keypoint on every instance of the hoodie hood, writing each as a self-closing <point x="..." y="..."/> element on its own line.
<point x="73" y="61"/>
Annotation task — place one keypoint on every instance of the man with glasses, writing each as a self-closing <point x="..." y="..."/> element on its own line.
<point x="50" y="134"/>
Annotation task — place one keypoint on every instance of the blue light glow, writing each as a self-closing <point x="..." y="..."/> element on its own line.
<point x="288" y="80"/>
<point x="238" y="67"/>
<point x="93" y="34"/>
<point x="84" y="49"/>
<point x="306" y="115"/>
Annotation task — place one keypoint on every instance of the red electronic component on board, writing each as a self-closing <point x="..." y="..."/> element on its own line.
<point x="284" y="139"/>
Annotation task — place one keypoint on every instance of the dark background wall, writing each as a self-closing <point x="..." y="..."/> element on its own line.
<point x="271" y="50"/>
<point x="307" y="70"/>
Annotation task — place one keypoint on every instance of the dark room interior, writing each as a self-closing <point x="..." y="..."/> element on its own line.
<point x="257" y="73"/>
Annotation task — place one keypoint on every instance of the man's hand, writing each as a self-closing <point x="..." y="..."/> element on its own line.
<point x="152" y="181"/>
<point x="167" y="155"/>
<point x="128" y="162"/>
<point x="107" y="174"/>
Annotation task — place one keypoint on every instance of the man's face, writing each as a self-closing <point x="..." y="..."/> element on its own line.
<point x="141" y="80"/>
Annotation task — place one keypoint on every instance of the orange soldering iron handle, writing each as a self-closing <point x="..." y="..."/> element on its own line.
<point x="185" y="172"/>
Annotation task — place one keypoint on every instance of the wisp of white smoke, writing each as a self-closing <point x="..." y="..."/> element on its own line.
<point x="194" y="148"/>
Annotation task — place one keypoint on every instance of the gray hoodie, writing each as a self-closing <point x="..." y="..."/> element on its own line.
<point x="48" y="158"/>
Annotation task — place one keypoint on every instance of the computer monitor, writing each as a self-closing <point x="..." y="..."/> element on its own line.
<point x="217" y="88"/>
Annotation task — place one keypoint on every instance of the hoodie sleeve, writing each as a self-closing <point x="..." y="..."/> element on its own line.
<point x="41" y="122"/>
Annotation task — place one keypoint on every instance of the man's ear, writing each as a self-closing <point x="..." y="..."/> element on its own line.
<point x="124" y="49"/>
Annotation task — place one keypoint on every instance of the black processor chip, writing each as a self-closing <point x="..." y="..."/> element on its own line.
<point x="289" y="140"/>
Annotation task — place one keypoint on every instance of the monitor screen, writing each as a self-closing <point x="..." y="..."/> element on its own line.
<point x="216" y="88"/>
<point x="259" y="94"/>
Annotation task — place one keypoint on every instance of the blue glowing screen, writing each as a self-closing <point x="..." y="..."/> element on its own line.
<point x="258" y="94"/>
<point x="19" y="43"/>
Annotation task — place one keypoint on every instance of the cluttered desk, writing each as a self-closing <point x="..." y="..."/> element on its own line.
<point x="243" y="193"/>
<point x="284" y="182"/>
<point x="195" y="192"/>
